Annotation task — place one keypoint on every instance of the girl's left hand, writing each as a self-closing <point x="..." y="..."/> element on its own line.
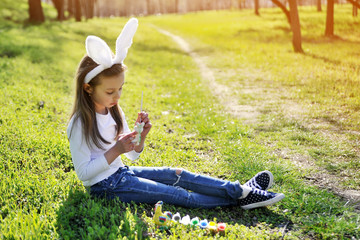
<point x="144" y="117"/>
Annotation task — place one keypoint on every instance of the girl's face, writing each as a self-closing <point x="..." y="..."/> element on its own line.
<point x="107" y="93"/>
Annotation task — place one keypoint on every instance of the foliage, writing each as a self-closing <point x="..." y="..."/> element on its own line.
<point x="40" y="195"/>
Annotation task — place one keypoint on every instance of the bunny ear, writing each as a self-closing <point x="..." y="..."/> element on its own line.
<point x="99" y="51"/>
<point x="124" y="41"/>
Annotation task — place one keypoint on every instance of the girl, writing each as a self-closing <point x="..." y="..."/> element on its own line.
<point x="99" y="135"/>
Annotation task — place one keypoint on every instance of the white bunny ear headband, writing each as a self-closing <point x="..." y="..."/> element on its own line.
<point x="100" y="52"/>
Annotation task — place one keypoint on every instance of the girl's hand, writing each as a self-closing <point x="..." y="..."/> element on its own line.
<point x="124" y="143"/>
<point x="143" y="117"/>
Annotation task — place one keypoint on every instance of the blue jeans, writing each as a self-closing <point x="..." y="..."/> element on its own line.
<point x="152" y="184"/>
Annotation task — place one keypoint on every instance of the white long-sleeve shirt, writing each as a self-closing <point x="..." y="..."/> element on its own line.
<point x="90" y="164"/>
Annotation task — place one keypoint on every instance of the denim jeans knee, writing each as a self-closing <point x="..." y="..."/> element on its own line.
<point x="178" y="172"/>
<point x="106" y="187"/>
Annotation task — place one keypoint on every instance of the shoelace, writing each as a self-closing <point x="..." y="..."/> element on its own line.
<point x="259" y="192"/>
<point x="254" y="184"/>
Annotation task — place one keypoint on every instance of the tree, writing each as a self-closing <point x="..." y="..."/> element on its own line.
<point x="36" y="13"/>
<point x="354" y="2"/>
<point x="77" y="10"/>
<point x="241" y="4"/>
<point x="70" y="8"/>
<point x="356" y="5"/>
<point x="88" y="8"/>
<point x="283" y="8"/>
<point x="293" y="19"/>
<point x="92" y="8"/>
<point x="59" y="5"/>
<point x="355" y="10"/>
<point x="149" y="7"/>
<point x="257" y="7"/>
<point x="318" y="5"/>
<point x="295" y="26"/>
<point x="97" y="8"/>
<point x="176" y="6"/>
<point x="329" y="28"/>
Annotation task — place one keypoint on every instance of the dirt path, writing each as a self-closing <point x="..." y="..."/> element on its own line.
<point x="221" y="91"/>
<point x="250" y="113"/>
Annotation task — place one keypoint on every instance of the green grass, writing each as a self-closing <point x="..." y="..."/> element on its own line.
<point x="40" y="195"/>
<point x="251" y="52"/>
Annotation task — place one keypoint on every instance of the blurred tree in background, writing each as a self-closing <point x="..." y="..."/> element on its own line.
<point x="87" y="9"/>
<point x="329" y="28"/>
<point x="36" y="13"/>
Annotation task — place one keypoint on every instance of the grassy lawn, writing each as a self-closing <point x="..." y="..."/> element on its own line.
<point x="308" y="103"/>
<point x="40" y="195"/>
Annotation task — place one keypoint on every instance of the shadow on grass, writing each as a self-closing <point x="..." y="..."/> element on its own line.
<point x="33" y="48"/>
<point x="260" y="36"/>
<point x="332" y="39"/>
<point x="35" y="52"/>
<point x="332" y="61"/>
<point x="83" y="217"/>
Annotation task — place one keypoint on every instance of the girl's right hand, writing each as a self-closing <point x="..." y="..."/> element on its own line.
<point x="124" y="143"/>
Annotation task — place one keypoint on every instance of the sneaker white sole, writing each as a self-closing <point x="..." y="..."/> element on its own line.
<point x="276" y="199"/>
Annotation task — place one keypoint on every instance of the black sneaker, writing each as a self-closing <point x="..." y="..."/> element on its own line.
<point x="259" y="198"/>
<point x="262" y="180"/>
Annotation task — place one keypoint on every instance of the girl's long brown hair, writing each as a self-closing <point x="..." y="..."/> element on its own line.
<point x="84" y="108"/>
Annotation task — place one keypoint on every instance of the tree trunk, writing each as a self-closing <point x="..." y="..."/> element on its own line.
<point x="36" y="13"/>
<point x="355" y="10"/>
<point x="257" y="8"/>
<point x="77" y="10"/>
<point x="176" y="6"/>
<point x="89" y="8"/>
<point x="92" y="9"/>
<point x="70" y="8"/>
<point x="59" y="5"/>
<point x="354" y="2"/>
<point x="295" y="26"/>
<point x="329" y="28"/>
<point x="162" y="7"/>
<point x="283" y="8"/>
<point x="84" y="8"/>
<point x="240" y="4"/>
<point x="318" y="4"/>
<point x="148" y="7"/>
<point x="128" y="7"/>
<point x="96" y="9"/>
